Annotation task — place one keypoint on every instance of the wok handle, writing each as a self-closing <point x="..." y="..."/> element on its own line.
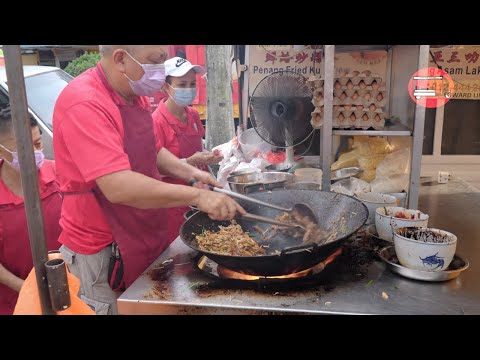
<point x="297" y="249"/>
<point x="249" y="199"/>
<point x="253" y="217"/>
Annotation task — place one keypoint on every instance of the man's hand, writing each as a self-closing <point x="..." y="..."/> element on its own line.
<point x="218" y="206"/>
<point x="204" y="158"/>
<point x="169" y="164"/>
<point x="204" y="178"/>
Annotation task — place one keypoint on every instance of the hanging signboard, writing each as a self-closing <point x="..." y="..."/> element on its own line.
<point x="267" y="59"/>
<point x="307" y="61"/>
<point x="462" y="63"/>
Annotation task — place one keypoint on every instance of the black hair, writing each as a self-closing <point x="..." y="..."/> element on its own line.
<point x="6" y="120"/>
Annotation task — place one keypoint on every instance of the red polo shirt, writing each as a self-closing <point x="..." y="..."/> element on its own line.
<point x="15" y="254"/>
<point x="46" y="175"/>
<point x="165" y="124"/>
<point x="88" y="144"/>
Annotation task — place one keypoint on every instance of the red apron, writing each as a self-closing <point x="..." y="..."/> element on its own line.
<point x="141" y="234"/>
<point x="15" y="253"/>
<point x="188" y="145"/>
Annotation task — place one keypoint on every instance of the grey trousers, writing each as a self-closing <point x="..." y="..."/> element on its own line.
<point x="92" y="270"/>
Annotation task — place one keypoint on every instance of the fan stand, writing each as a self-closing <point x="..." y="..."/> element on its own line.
<point x="290" y="157"/>
<point x="289" y="148"/>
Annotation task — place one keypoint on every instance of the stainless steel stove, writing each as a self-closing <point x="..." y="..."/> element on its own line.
<point x="174" y="284"/>
<point x="181" y="288"/>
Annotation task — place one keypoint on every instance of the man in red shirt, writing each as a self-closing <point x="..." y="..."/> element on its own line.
<point x="113" y="214"/>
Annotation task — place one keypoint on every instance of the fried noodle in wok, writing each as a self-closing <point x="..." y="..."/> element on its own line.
<point x="229" y="240"/>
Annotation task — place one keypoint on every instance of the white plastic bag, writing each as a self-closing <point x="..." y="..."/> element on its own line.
<point x="226" y="150"/>
<point x="390" y="184"/>
<point x="358" y="186"/>
<point x="392" y="173"/>
<point x="396" y="163"/>
<point x="225" y="171"/>
<point x="258" y="163"/>
<point x="351" y="187"/>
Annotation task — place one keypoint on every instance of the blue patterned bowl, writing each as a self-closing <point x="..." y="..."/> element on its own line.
<point x="425" y="249"/>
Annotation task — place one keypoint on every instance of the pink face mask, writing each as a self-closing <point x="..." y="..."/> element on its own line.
<point x="39" y="158"/>
<point x="152" y="80"/>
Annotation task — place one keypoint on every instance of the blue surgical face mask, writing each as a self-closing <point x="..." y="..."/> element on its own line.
<point x="184" y="96"/>
<point x="152" y="80"/>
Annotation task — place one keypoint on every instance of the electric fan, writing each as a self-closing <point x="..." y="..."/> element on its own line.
<point x="280" y="110"/>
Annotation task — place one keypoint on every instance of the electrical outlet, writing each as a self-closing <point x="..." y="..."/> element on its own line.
<point x="443" y="177"/>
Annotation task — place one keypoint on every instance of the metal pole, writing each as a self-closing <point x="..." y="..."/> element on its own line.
<point x="326" y="143"/>
<point x="388" y="80"/>
<point x="28" y="170"/>
<point x="245" y="87"/>
<point x="58" y="284"/>
<point x="238" y="61"/>
<point x="417" y="148"/>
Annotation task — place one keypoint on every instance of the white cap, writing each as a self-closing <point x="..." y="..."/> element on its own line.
<point x="178" y="66"/>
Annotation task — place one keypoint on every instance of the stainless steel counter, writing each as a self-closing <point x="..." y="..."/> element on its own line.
<point x="454" y="207"/>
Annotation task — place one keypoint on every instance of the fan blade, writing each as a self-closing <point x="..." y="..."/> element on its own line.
<point x="281" y="107"/>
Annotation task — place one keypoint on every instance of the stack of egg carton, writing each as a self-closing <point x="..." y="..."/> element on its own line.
<point x="316" y="85"/>
<point x="358" y="101"/>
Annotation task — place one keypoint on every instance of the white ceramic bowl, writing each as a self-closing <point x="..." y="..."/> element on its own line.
<point x="425" y="249"/>
<point x="387" y="219"/>
<point x="375" y="200"/>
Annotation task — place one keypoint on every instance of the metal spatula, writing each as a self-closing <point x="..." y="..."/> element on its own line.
<point x="300" y="208"/>
<point x="263" y="219"/>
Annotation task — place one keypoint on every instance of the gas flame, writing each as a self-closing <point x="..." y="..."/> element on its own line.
<point x="230" y="274"/>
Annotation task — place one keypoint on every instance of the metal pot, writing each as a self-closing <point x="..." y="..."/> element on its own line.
<point x="252" y="182"/>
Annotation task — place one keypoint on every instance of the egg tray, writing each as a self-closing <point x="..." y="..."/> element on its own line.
<point x="359" y="120"/>
<point x="315" y="82"/>
<point x="372" y="107"/>
<point x="357" y="81"/>
<point x="358" y="101"/>
<point x="376" y="123"/>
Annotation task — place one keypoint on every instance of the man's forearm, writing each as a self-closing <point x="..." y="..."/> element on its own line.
<point x="140" y="191"/>
<point x="9" y="279"/>
<point x="169" y="164"/>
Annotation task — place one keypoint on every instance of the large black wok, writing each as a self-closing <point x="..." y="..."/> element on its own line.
<point x="339" y="214"/>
